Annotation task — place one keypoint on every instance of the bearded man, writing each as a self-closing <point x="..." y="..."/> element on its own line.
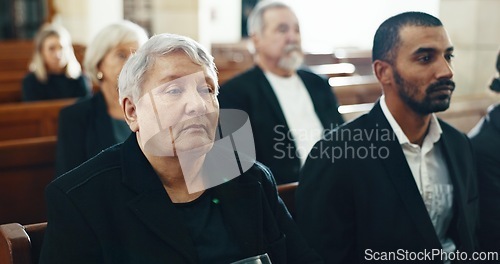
<point x="289" y="109"/>
<point x="405" y="187"/>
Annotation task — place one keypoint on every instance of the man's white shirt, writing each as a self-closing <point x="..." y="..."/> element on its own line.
<point x="298" y="109"/>
<point x="430" y="171"/>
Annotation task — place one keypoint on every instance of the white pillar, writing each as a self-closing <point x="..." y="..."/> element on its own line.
<point x="84" y="19"/>
<point x="189" y="18"/>
<point x="474" y="29"/>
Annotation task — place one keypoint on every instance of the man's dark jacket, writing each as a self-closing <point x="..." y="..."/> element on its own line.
<point x="274" y="145"/>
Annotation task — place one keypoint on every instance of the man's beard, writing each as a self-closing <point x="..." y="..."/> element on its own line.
<point x="429" y="104"/>
<point x="292" y="59"/>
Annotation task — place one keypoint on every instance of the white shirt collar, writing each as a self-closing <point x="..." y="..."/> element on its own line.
<point x="434" y="133"/>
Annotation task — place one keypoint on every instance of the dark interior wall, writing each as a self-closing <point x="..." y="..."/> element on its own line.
<point x="20" y="19"/>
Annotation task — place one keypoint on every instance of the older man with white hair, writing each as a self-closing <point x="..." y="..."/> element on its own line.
<point x="289" y="108"/>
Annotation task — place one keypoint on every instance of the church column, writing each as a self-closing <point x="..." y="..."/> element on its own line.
<point x="84" y="19"/>
<point x="473" y="26"/>
<point x="189" y="18"/>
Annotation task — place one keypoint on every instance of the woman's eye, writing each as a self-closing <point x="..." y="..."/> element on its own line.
<point x="205" y="90"/>
<point x="122" y="55"/>
<point x="175" y="90"/>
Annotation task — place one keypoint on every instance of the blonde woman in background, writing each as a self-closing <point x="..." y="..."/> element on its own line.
<point x="54" y="71"/>
<point x="94" y="124"/>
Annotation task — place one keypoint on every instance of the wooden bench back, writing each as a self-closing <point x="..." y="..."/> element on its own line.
<point x="287" y="193"/>
<point x="464" y="112"/>
<point x="26" y="167"/>
<point x="15" y="56"/>
<point x="21" y="244"/>
<point x="30" y="119"/>
<point x="352" y="90"/>
<point x="231" y="60"/>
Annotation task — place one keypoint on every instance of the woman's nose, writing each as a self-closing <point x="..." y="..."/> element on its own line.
<point x="195" y="103"/>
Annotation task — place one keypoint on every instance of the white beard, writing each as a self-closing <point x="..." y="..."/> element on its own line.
<point x="292" y="60"/>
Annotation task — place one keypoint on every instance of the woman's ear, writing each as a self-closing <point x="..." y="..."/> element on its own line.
<point x="130" y="113"/>
<point x="383" y="71"/>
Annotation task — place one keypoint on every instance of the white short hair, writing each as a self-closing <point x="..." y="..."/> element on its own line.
<point x="132" y="75"/>
<point x="109" y="37"/>
<point x="255" y="23"/>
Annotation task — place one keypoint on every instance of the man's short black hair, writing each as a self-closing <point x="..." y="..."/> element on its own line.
<point x="387" y="40"/>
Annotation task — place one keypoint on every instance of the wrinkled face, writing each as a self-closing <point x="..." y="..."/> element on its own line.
<point x="280" y="38"/>
<point x="178" y="109"/>
<point x="52" y="54"/>
<point x="422" y="69"/>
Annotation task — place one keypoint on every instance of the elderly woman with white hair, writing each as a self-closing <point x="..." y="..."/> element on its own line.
<point x="94" y="124"/>
<point x="54" y="71"/>
<point x="152" y="199"/>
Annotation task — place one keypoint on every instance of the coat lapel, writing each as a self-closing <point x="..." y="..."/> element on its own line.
<point x="400" y="174"/>
<point x="270" y="96"/>
<point x="152" y="205"/>
<point x="322" y="111"/>
<point x="453" y="156"/>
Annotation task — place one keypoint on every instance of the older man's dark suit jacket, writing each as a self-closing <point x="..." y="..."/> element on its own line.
<point x="252" y="93"/>
<point x="85" y="129"/>
<point x="485" y="139"/>
<point x="114" y="209"/>
<point x="357" y="202"/>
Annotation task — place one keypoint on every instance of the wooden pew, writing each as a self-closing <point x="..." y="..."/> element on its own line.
<point x="11" y="85"/>
<point x="30" y="119"/>
<point x="464" y="112"/>
<point x="26" y="167"/>
<point x="14" y="60"/>
<point x="361" y="59"/>
<point x="351" y="90"/>
<point x="15" y="56"/>
<point x="27" y="157"/>
<point x="287" y="193"/>
<point x="319" y="58"/>
<point x="21" y="244"/>
<point x="350" y="112"/>
<point x="334" y="69"/>
<point x="231" y="59"/>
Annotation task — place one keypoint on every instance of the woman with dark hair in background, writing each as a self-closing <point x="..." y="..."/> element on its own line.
<point x="485" y="139"/>
<point x="54" y="71"/>
<point x="96" y="123"/>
